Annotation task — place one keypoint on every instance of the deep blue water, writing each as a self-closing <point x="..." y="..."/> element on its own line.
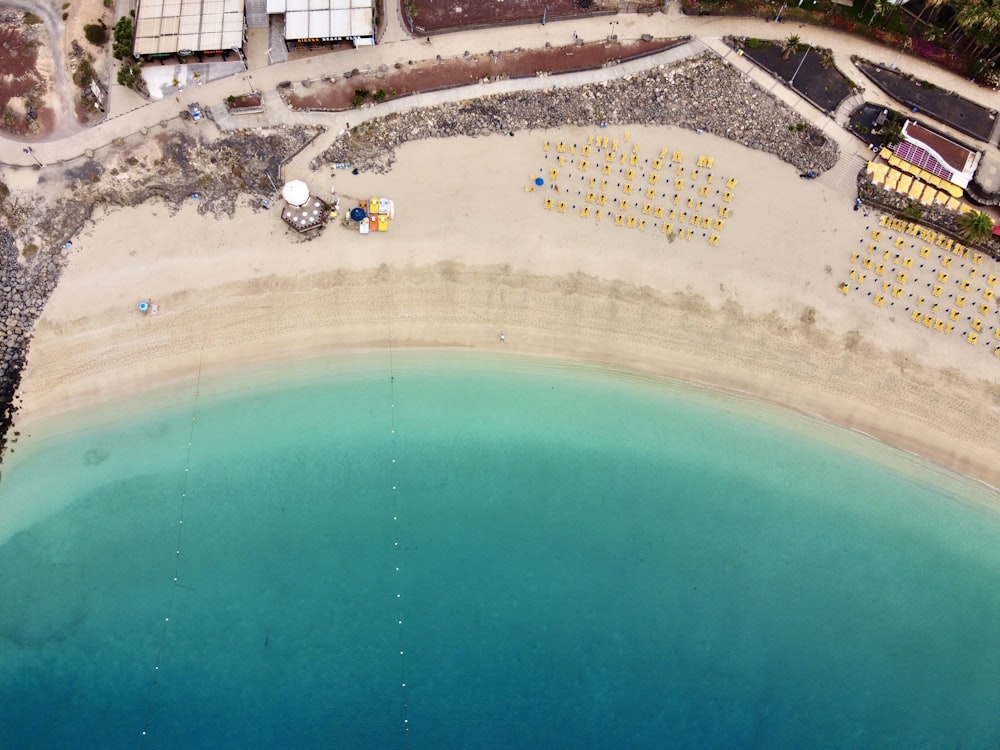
<point x="472" y="552"/>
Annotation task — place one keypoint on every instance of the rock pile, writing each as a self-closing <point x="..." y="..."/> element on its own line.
<point x="702" y="93"/>
<point x="24" y="288"/>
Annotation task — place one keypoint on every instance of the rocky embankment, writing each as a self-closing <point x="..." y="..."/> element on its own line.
<point x="24" y="287"/>
<point x="699" y="94"/>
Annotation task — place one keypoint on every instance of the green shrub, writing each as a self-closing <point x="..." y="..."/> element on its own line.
<point x="129" y="74"/>
<point x="758" y="43"/>
<point x="379" y="95"/>
<point x="31" y="19"/>
<point x="96" y="33"/>
<point x="84" y="73"/>
<point x="123" y="38"/>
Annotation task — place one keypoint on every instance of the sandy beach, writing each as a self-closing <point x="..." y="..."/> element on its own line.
<point x="473" y="254"/>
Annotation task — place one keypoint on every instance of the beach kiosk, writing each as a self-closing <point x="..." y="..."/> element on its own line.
<point x="303" y="211"/>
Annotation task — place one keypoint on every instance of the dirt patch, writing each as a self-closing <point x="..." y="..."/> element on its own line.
<point x="86" y="61"/>
<point x="436" y="16"/>
<point x="390" y="83"/>
<point x="23" y="86"/>
<point x="433" y="16"/>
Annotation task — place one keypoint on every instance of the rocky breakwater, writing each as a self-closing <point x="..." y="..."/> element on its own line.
<point x="24" y="288"/>
<point x="702" y="94"/>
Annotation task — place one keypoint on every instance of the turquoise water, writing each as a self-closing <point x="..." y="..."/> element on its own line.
<point x="474" y="552"/>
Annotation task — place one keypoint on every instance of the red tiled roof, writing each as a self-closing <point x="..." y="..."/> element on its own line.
<point x="954" y="155"/>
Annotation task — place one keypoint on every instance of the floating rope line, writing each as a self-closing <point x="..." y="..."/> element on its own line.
<point x="395" y="532"/>
<point x="177" y="554"/>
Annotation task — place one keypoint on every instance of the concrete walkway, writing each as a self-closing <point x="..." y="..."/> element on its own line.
<point x="131" y="114"/>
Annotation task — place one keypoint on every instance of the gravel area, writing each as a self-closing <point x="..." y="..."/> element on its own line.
<point x="702" y="93"/>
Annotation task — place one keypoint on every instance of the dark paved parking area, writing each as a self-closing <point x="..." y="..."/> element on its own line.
<point x="951" y="109"/>
<point x="809" y="72"/>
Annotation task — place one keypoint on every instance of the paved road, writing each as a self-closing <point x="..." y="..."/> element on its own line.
<point x="131" y="114"/>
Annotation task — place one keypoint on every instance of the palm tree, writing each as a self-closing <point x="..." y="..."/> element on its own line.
<point x="934" y="6"/>
<point x="975" y="226"/>
<point x="791" y="45"/>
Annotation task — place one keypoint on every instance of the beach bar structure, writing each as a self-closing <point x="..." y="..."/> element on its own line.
<point x="321" y="23"/>
<point x="188" y="27"/>
<point x="937" y="155"/>
<point x="303" y="212"/>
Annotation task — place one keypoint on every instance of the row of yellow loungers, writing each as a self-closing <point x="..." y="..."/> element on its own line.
<point x="630" y="160"/>
<point x="932" y="179"/>
<point x="930" y="319"/>
<point x="918" y="184"/>
<point x="927" y="194"/>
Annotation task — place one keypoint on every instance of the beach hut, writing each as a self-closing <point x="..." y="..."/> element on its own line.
<point x="303" y="212"/>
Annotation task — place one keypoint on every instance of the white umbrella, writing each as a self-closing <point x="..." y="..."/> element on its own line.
<point x="295" y="192"/>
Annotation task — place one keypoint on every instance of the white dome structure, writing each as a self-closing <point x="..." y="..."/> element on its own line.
<point x="295" y="193"/>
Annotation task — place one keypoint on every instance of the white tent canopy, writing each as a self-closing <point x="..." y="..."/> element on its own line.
<point x="295" y="192"/>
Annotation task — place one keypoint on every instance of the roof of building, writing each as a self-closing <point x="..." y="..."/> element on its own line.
<point x="163" y="27"/>
<point x="955" y="156"/>
<point x="325" y="19"/>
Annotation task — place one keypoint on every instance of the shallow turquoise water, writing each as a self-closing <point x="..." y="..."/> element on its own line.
<point x="546" y="555"/>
